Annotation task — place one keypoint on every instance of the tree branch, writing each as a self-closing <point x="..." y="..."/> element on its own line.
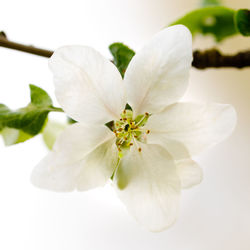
<point x="201" y="59"/>
<point x="4" y="42"/>
<point x="214" y="59"/>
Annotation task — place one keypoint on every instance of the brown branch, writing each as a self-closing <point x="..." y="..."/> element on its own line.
<point x="201" y="59"/>
<point x="4" y="42"/>
<point x="214" y="59"/>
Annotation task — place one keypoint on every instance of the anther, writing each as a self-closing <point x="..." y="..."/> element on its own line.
<point x="131" y="144"/>
<point x="139" y="149"/>
<point x="124" y="111"/>
<point x="147" y="114"/>
<point x="120" y="129"/>
<point x="124" y="119"/>
<point x="148" y="131"/>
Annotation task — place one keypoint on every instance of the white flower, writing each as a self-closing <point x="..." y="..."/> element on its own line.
<point x="149" y="174"/>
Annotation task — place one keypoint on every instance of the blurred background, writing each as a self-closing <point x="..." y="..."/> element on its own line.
<point x="214" y="215"/>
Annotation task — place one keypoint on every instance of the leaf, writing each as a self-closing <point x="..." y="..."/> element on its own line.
<point x="51" y="132"/>
<point x="215" y="20"/>
<point x="206" y="3"/>
<point x="13" y="136"/>
<point x="242" y="20"/>
<point x="122" y="56"/>
<point x="39" y="97"/>
<point x="22" y="124"/>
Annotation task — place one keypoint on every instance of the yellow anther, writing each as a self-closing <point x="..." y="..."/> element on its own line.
<point x="139" y="149"/>
<point x="120" y="129"/>
<point x="131" y="144"/>
<point x="148" y="131"/>
<point x="124" y="111"/>
<point x="147" y="114"/>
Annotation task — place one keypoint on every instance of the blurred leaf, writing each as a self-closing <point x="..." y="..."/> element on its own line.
<point x="205" y="3"/>
<point x="122" y="56"/>
<point x="215" y="20"/>
<point x="242" y="20"/>
<point x="70" y="120"/>
<point x="13" y="136"/>
<point x="51" y="132"/>
<point x="22" y="124"/>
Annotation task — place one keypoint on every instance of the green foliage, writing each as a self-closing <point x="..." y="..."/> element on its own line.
<point x="215" y="20"/>
<point x="22" y="124"/>
<point x="13" y="136"/>
<point x="122" y="56"/>
<point x="206" y="3"/>
<point x="39" y="97"/>
<point x="70" y="120"/>
<point x="51" y="132"/>
<point x="242" y="20"/>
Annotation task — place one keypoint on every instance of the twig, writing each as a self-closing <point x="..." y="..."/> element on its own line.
<point x="201" y="59"/>
<point x="4" y="42"/>
<point x="214" y="59"/>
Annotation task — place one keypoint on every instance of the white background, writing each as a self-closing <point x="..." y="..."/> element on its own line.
<point x="214" y="215"/>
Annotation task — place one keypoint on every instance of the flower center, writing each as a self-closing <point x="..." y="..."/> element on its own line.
<point x="127" y="130"/>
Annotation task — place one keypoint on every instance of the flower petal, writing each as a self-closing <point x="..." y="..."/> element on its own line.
<point x="196" y="126"/>
<point x="189" y="172"/>
<point x="158" y="74"/>
<point x="83" y="157"/>
<point x="87" y="85"/>
<point x="148" y="184"/>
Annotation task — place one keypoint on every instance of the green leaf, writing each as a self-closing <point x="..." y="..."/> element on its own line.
<point x="51" y="132"/>
<point x="242" y="20"/>
<point x="122" y="56"/>
<point x="215" y="20"/>
<point x="13" y="136"/>
<point x="39" y="97"/>
<point x="205" y="3"/>
<point x="22" y="124"/>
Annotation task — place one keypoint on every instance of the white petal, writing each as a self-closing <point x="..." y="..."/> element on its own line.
<point x="87" y="85"/>
<point x="158" y="74"/>
<point x="189" y="172"/>
<point x="196" y="126"/>
<point x="148" y="184"/>
<point x="83" y="157"/>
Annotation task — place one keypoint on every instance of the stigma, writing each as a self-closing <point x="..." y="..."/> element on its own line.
<point x="129" y="130"/>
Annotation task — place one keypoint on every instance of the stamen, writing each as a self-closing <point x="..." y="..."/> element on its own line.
<point x="148" y="131"/>
<point x="139" y="149"/>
